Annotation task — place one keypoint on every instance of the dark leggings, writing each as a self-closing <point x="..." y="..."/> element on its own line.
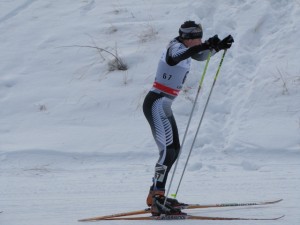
<point x="157" y="110"/>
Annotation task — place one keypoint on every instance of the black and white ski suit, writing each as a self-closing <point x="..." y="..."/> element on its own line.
<point x="173" y="68"/>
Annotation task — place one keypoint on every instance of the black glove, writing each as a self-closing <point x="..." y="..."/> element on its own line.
<point x="225" y="43"/>
<point x="213" y="42"/>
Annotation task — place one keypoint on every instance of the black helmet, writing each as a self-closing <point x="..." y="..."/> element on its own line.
<point x="190" y="30"/>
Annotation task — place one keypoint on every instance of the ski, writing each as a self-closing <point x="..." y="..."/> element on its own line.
<point x="183" y="206"/>
<point x="131" y="213"/>
<point x="199" y="206"/>
<point x="188" y="217"/>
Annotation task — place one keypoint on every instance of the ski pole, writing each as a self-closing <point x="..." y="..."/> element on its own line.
<point x="189" y="122"/>
<point x="202" y="116"/>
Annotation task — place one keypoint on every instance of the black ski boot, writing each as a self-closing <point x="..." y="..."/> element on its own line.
<point x="173" y="202"/>
<point x="159" y="207"/>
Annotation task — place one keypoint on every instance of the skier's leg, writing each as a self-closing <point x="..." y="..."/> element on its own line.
<point x="157" y="110"/>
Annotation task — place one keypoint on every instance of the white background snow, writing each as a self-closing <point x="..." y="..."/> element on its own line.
<point x="73" y="139"/>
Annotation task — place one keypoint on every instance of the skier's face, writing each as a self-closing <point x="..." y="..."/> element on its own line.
<point x="193" y="42"/>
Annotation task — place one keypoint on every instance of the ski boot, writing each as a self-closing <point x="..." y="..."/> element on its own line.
<point x="151" y="194"/>
<point x="159" y="207"/>
<point x="173" y="202"/>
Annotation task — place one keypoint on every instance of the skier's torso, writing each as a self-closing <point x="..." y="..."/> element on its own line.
<point x="170" y="79"/>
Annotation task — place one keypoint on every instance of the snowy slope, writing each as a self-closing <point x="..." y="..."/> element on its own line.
<point x="73" y="139"/>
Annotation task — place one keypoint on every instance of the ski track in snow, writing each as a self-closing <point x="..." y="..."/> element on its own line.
<point x="74" y="142"/>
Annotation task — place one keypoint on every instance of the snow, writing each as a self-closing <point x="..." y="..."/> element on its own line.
<point x="73" y="139"/>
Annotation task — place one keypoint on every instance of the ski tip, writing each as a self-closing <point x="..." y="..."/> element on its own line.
<point x="276" y="201"/>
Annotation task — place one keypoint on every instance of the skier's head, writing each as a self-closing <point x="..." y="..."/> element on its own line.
<point x="190" y="33"/>
<point x="190" y="30"/>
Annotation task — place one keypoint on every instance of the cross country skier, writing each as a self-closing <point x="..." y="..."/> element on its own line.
<point x="173" y="68"/>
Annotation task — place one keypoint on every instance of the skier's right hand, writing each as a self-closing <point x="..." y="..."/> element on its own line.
<point x="213" y="42"/>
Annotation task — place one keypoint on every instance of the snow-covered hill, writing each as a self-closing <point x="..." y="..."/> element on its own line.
<point x="73" y="139"/>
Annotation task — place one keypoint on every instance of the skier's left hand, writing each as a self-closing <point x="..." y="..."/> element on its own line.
<point x="226" y="43"/>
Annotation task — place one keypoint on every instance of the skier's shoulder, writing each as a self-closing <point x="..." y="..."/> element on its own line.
<point x="175" y="44"/>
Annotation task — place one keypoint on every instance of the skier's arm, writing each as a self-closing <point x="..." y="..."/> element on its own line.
<point x="201" y="56"/>
<point x="176" y="53"/>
